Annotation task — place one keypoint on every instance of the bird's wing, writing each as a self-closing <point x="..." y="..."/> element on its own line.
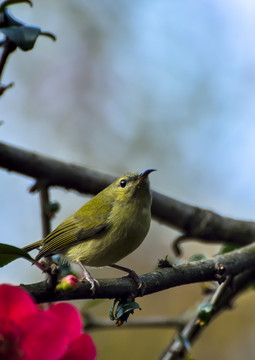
<point x="75" y="229"/>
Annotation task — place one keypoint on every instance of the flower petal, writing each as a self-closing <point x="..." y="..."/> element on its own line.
<point x="69" y="317"/>
<point x="44" y="337"/>
<point x="15" y="303"/>
<point x="82" y="348"/>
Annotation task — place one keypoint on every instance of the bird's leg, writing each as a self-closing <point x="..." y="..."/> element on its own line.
<point x="89" y="278"/>
<point x="40" y="266"/>
<point x="132" y="274"/>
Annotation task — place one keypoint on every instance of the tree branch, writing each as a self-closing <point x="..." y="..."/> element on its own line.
<point x="215" y="269"/>
<point x="194" y="222"/>
<point x="44" y="203"/>
<point x="9" y="47"/>
<point x="147" y="322"/>
<point x="177" y="349"/>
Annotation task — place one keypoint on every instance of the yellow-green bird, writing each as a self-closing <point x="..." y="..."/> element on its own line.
<point x="106" y="229"/>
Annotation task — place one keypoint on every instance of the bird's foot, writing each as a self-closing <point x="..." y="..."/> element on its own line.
<point x="89" y="278"/>
<point x="93" y="282"/>
<point x="133" y="275"/>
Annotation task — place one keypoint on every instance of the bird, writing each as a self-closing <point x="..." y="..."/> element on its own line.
<point x="105" y="229"/>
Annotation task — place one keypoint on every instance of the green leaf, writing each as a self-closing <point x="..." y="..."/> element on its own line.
<point x="197" y="257"/>
<point x="53" y="207"/>
<point x="111" y="312"/>
<point x="8" y="253"/>
<point x="205" y="313"/>
<point x="125" y="308"/>
<point x="226" y="248"/>
<point x="23" y="36"/>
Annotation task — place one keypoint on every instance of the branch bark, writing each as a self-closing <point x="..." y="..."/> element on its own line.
<point x="215" y="269"/>
<point x="194" y="222"/>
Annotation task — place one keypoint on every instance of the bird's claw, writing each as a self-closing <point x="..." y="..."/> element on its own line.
<point x="93" y="282"/>
<point x="141" y="285"/>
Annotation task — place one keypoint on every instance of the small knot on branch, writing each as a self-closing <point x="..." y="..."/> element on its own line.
<point x="164" y="263"/>
<point x="220" y="275"/>
<point x="38" y="185"/>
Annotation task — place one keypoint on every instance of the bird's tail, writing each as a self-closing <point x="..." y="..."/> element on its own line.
<point x="33" y="246"/>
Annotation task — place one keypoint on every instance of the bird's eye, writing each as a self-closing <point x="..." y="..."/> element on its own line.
<point x="123" y="183"/>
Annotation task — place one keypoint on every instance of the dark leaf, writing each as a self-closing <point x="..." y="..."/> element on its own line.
<point x="125" y="308"/>
<point x="121" y="312"/>
<point x="111" y="312"/>
<point x="23" y="36"/>
<point x="8" y="253"/>
<point x="7" y="20"/>
<point x="205" y="313"/>
<point x="53" y="207"/>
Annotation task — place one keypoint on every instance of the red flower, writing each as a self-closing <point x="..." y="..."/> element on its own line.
<point x="27" y="333"/>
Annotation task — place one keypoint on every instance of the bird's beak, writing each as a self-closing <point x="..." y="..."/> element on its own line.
<point x="144" y="174"/>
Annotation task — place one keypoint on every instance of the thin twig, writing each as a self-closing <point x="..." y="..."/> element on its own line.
<point x="7" y="50"/>
<point x="44" y="203"/>
<point x="92" y="323"/>
<point x="221" y="299"/>
<point x="3" y="87"/>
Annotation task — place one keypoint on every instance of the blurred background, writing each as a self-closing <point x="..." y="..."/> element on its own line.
<point x="130" y="85"/>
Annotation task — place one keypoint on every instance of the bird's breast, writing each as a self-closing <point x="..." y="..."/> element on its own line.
<point x="124" y="234"/>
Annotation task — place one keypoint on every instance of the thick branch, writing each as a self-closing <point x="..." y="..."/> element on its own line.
<point x="52" y="172"/>
<point x="217" y="269"/>
<point x="191" y="220"/>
